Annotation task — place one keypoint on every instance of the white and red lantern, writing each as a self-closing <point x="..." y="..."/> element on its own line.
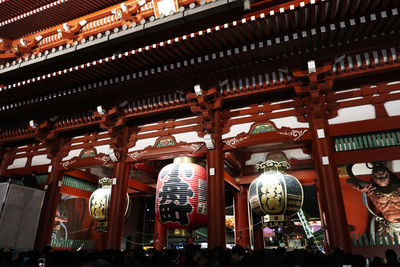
<point x="181" y="200"/>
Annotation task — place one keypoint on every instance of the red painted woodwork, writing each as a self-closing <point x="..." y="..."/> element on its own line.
<point x="75" y="191"/>
<point x="242" y="229"/>
<point x="83" y="176"/>
<point x="160" y="235"/>
<point x="374" y="154"/>
<point x="117" y="208"/>
<point x="49" y="208"/>
<point x="230" y="181"/>
<point x="216" y="192"/>
<point x="333" y="211"/>
<point x="115" y="221"/>
<point x="140" y="186"/>
<point x="181" y="187"/>
<point x="99" y="237"/>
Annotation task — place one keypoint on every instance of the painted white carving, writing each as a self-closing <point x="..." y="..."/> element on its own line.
<point x="105" y="159"/>
<point x="193" y="147"/>
<point x="295" y="133"/>
<point x="65" y="164"/>
<point x="232" y="142"/>
<point x="134" y="155"/>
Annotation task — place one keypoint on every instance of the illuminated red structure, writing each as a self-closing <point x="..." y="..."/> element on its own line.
<point x="126" y="87"/>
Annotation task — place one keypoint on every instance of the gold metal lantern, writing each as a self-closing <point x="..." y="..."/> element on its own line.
<point x="275" y="193"/>
<point x="99" y="203"/>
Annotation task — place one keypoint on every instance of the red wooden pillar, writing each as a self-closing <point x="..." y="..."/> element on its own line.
<point x="242" y="231"/>
<point x="116" y="214"/>
<point x="5" y="162"/>
<point x="99" y="237"/>
<point x="50" y="204"/>
<point x="160" y="234"/>
<point x="216" y="190"/>
<point x="258" y="232"/>
<point x="115" y="220"/>
<point x="333" y="213"/>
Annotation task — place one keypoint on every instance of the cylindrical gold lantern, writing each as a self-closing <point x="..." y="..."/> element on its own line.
<point x="99" y="203"/>
<point x="275" y="193"/>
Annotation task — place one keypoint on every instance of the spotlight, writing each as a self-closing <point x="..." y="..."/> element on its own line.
<point x="66" y="27"/>
<point x="82" y="22"/>
<point x="100" y="110"/>
<point x="33" y="124"/>
<point x="311" y="66"/>
<point x="124" y="7"/>
<point x="38" y="38"/>
<point x="197" y="90"/>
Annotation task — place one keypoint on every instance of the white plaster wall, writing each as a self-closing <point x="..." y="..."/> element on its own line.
<point x="72" y="153"/>
<point x="40" y="160"/>
<point x="189" y="137"/>
<point x="102" y="149"/>
<point x="359" y="113"/>
<point x="393" y="108"/>
<point x="237" y="129"/>
<point x="143" y="143"/>
<point x="394" y="166"/>
<point x="361" y="169"/>
<point x="18" y="163"/>
<point x="296" y="154"/>
<point x="256" y="158"/>
<point x="291" y="122"/>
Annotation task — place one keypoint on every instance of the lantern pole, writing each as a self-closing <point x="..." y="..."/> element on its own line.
<point x="333" y="214"/>
<point x="242" y="234"/>
<point x="115" y="220"/>
<point x="216" y="190"/>
<point x="160" y="234"/>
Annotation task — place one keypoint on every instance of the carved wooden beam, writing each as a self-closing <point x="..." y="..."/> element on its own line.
<point x="83" y="176"/>
<point x="374" y="154"/>
<point x="231" y="181"/>
<point x="141" y="187"/>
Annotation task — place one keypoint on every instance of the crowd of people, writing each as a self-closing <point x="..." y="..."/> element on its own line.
<point x="192" y="256"/>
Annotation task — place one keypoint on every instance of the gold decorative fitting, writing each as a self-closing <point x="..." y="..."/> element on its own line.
<point x="272" y="165"/>
<point x="183" y="160"/>
<point x="105" y="182"/>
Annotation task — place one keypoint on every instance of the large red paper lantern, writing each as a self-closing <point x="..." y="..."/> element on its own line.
<point x="181" y="200"/>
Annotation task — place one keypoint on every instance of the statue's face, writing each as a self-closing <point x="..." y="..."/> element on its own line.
<point x="380" y="176"/>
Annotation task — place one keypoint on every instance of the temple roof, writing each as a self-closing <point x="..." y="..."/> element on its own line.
<point x="122" y="64"/>
<point x="23" y="17"/>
